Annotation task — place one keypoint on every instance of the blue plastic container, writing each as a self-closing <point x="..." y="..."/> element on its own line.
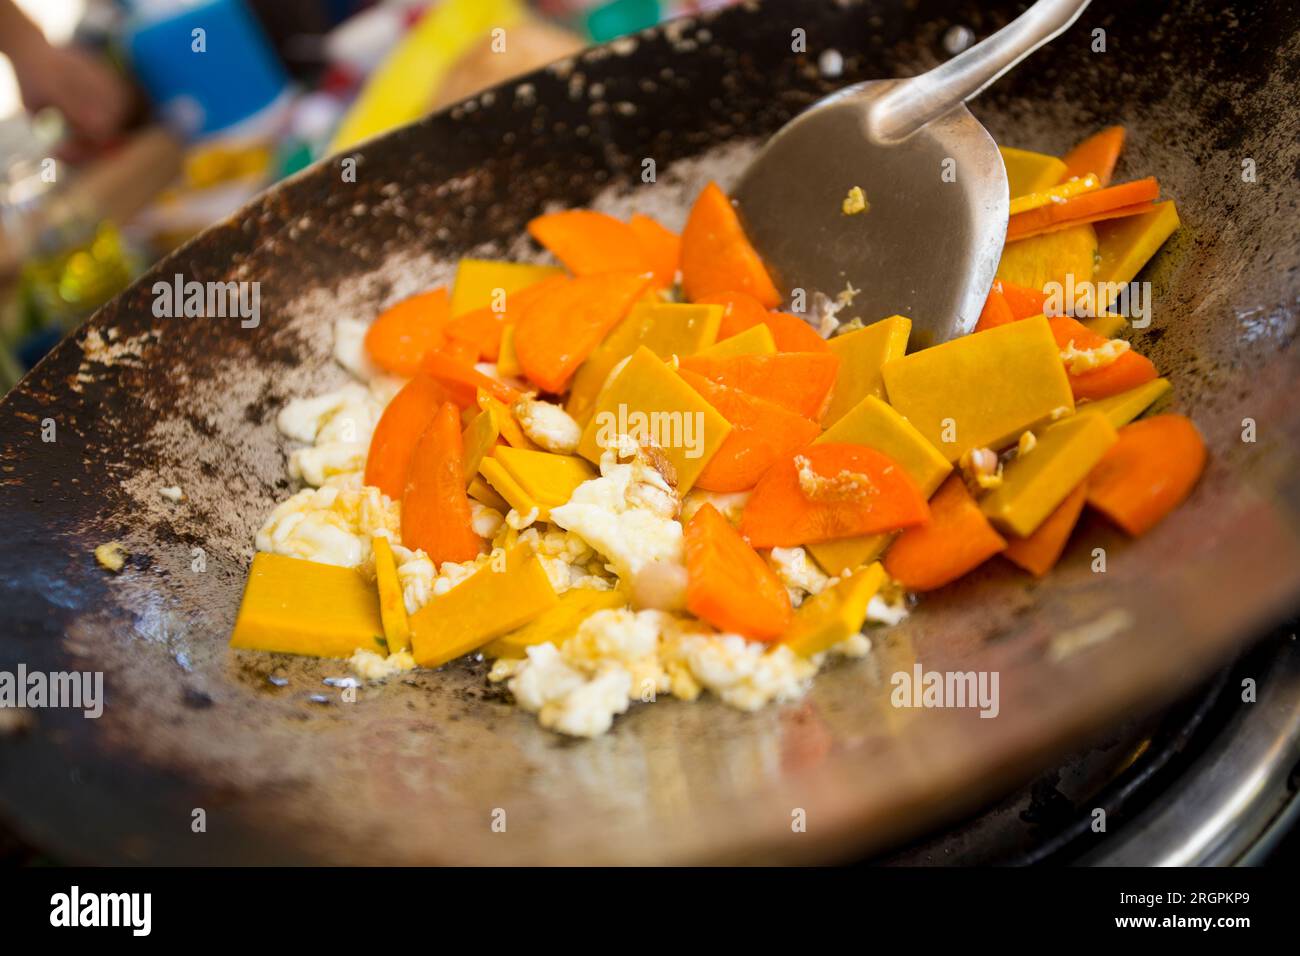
<point x="208" y="66"/>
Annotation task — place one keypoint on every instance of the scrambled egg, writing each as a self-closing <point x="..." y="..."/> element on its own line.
<point x="981" y="469"/>
<point x="627" y="514"/>
<point x="338" y="425"/>
<point x="370" y="666"/>
<point x="617" y="657"/>
<point x="332" y="524"/>
<point x="111" y="556"/>
<point x="1078" y="361"/>
<point x="548" y="426"/>
<point x="855" y="202"/>
<point x="800" y="575"/>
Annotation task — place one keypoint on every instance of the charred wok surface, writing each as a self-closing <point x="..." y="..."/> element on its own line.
<point x="413" y="771"/>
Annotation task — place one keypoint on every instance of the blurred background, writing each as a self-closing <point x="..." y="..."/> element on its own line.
<point x="127" y="126"/>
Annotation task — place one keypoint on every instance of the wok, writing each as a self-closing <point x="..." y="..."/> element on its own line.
<point x="419" y="770"/>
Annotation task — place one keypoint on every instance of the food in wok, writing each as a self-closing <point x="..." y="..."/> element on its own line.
<point x="631" y="474"/>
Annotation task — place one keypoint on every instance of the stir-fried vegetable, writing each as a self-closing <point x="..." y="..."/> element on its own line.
<point x="641" y="431"/>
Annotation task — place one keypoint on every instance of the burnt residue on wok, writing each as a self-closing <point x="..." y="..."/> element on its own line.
<point x="413" y="772"/>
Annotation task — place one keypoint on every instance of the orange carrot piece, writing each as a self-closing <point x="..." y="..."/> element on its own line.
<point x="589" y="242"/>
<point x="661" y="247"/>
<point x="1128" y="371"/>
<point x="728" y="584"/>
<point x="1023" y="301"/>
<point x="957" y="539"/>
<point x="801" y="381"/>
<point x="561" y="328"/>
<point x="1097" y="155"/>
<point x="482" y="328"/>
<point x="1118" y="212"/>
<point x="401" y="334"/>
<point x="828" y="491"/>
<point x="716" y="255"/>
<point x="762" y="433"/>
<point x="742" y="311"/>
<point x="457" y="374"/>
<point x="996" y="311"/>
<point x="398" y="430"/>
<point x="435" y="509"/>
<point x="1039" y="552"/>
<point x="1148" y="472"/>
<point x="1127" y="199"/>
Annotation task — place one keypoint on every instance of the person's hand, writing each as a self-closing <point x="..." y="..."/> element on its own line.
<point x="93" y="98"/>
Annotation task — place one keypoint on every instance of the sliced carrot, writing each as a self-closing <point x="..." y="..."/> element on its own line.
<point x="435" y="509"/>
<point x="1023" y="301"/>
<point x="1148" y="472"/>
<point x="457" y="374"/>
<point x="716" y="255"/>
<point x="482" y="328"/>
<point x="589" y="242"/>
<point x="996" y="311"/>
<point x="828" y="491"/>
<point x="728" y="584"/>
<point x="957" y="539"/>
<point x="1128" y="199"/>
<point x="401" y="334"/>
<point x="398" y="430"/>
<point x="1097" y="155"/>
<point x="1039" y="552"/>
<point x="561" y="328"/>
<point x="762" y="433"/>
<point x="801" y="381"/>
<point x="742" y="311"/>
<point x="1128" y="371"/>
<point x="661" y="247"/>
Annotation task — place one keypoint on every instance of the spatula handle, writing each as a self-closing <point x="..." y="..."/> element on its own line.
<point x="913" y="102"/>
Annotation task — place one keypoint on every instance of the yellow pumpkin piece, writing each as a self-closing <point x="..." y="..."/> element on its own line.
<point x="507" y="358"/>
<point x="530" y="479"/>
<point x="873" y="423"/>
<point x="484" y="494"/>
<point x="502" y="595"/>
<point x="834" y="615"/>
<point x="1107" y="325"/>
<point x="649" y="402"/>
<point x="876" y="425"/>
<point x="392" y="606"/>
<point x="982" y="390"/>
<point x="479" y="438"/>
<point x="755" y="340"/>
<point x="292" y="606"/>
<point x="862" y="352"/>
<point x="478" y="281"/>
<point x="1058" y="193"/>
<point x="504" y="417"/>
<point x="1038" y="260"/>
<point x="665" y="328"/>
<point x="1123" y="408"/>
<point x="1125" y="245"/>
<point x="1035" y="483"/>
<point x="1029" y="172"/>
<point x="559" y="623"/>
<point x="842" y="555"/>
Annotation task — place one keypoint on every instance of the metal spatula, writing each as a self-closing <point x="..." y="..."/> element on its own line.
<point x="928" y="245"/>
